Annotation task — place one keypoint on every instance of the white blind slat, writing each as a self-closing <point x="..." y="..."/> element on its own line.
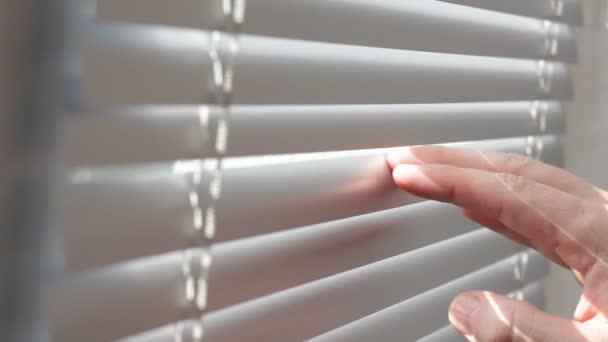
<point x="411" y="25"/>
<point x="346" y="296"/>
<point x="139" y="135"/>
<point x="311" y="237"/>
<point x="157" y="133"/>
<point x="446" y="334"/>
<point x="284" y="330"/>
<point x="532" y="293"/>
<point x="271" y="263"/>
<point x="116" y="207"/>
<point x="162" y="334"/>
<point x="535" y="294"/>
<point x="127" y="64"/>
<point x="104" y="305"/>
<point x="403" y="319"/>
<point x="569" y="11"/>
<point x="101" y="303"/>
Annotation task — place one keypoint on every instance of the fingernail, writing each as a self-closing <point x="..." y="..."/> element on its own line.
<point x="403" y="155"/>
<point x="393" y="159"/>
<point x="406" y="171"/>
<point x="580" y="310"/>
<point x="462" y="309"/>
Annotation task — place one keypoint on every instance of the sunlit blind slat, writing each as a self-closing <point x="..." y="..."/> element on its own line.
<point x="116" y="207"/>
<point x="163" y="133"/>
<point x="226" y="174"/>
<point x="569" y="11"/>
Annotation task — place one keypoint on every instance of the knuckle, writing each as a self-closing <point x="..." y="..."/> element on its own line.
<point x="508" y="328"/>
<point x="597" y="215"/>
<point x="514" y="182"/>
<point x="588" y="218"/>
<point x="504" y="328"/>
<point x="516" y="163"/>
<point x="588" y="244"/>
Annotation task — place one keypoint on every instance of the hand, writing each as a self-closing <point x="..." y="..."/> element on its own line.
<point x="535" y="204"/>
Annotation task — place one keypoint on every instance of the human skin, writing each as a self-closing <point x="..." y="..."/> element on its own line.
<point x="535" y="204"/>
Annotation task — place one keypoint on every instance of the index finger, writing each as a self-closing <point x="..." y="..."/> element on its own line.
<point x="555" y="222"/>
<point x="498" y="162"/>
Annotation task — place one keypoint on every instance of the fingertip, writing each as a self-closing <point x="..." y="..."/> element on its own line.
<point x="461" y="311"/>
<point x="405" y="174"/>
<point x="487" y="316"/>
<point x="585" y="310"/>
<point x="393" y="159"/>
<point x="401" y="156"/>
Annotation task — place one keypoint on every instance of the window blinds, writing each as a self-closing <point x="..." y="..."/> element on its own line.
<point x="227" y="177"/>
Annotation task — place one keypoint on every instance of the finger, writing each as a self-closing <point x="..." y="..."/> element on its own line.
<point x="500" y="228"/>
<point x="550" y="219"/>
<point x="485" y="316"/>
<point x="498" y="162"/>
<point x="585" y="310"/>
<point x="496" y="226"/>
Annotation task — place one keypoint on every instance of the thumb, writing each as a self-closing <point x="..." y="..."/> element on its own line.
<point x="486" y="316"/>
<point x="585" y="310"/>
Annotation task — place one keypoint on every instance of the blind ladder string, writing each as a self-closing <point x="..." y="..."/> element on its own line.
<point x="206" y="173"/>
<point x="538" y="113"/>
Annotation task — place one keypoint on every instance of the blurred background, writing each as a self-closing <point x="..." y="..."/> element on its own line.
<point x="32" y="46"/>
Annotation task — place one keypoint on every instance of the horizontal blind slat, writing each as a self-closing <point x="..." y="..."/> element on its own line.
<point x="345" y="297"/>
<point x="104" y="305"/>
<point x="446" y="334"/>
<point x="126" y="64"/>
<point x="535" y="294"/>
<point x="403" y="319"/>
<point x="131" y="298"/>
<point x="413" y="25"/>
<point x="163" y="133"/>
<point x="120" y="206"/>
<point x="546" y="9"/>
<point x="266" y="263"/>
<point x="336" y="303"/>
<point x="532" y="293"/>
